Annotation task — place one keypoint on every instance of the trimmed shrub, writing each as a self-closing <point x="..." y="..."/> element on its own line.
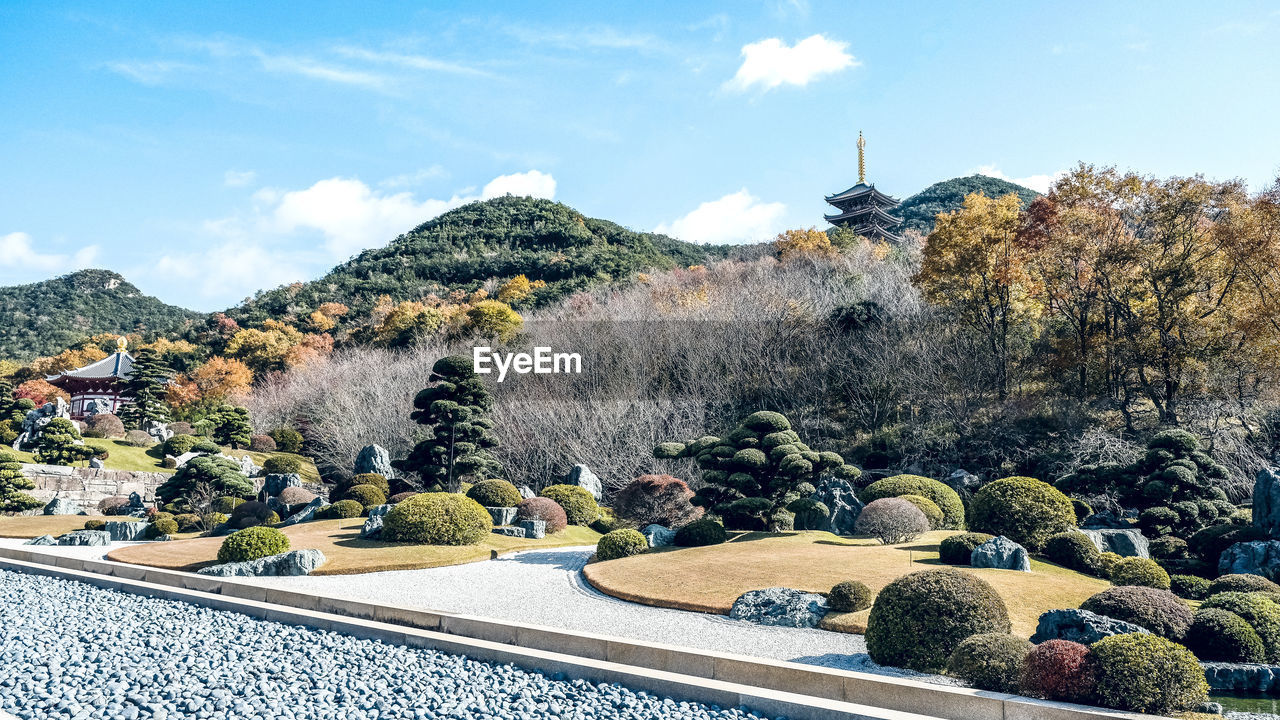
<point x="105" y="425"/>
<point x="849" y="596"/>
<point x="1262" y="614"/>
<point x="1191" y="587"/>
<point x="544" y="509"/>
<point x="1159" y="611"/>
<point x="919" y="619"/>
<point x="1082" y="510"/>
<point x="1059" y="670"/>
<point x="160" y="516"/>
<point x="206" y="447"/>
<point x="606" y="522"/>
<point x="214" y="519"/>
<point x="660" y="499"/>
<point x="931" y="511"/>
<point x="251" y="544"/>
<point x="1209" y="543"/>
<point x="620" y="544"/>
<point x="1022" y="509"/>
<point x="1169" y="547"/>
<point x="181" y="428"/>
<point x="225" y="504"/>
<point x="494" y="493"/>
<point x="250" y="514"/>
<point x="1073" y="550"/>
<point x="112" y="505"/>
<point x="1242" y="583"/>
<point x="138" y="438"/>
<point x="187" y="522"/>
<point x="95" y="524"/>
<point x="379" y="481"/>
<point x="990" y="661"/>
<point x="1140" y="571"/>
<point x="957" y="549"/>
<point x="699" y="533"/>
<point x="262" y="443"/>
<point x="1218" y="635"/>
<point x="578" y="502"/>
<point x="892" y="520"/>
<point x="179" y="445"/>
<point x="947" y="500"/>
<point x="282" y="464"/>
<point x="342" y="510"/>
<point x="1146" y="673"/>
<point x="287" y="440"/>
<point x="169" y="463"/>
<point x="1107" y="562"/>
<point x="162" y="526"/>
<point x="294" y="495"/>
<point x="438" y="519"/>
<point x="401" y="497"/>
<point x="367" y="495"/>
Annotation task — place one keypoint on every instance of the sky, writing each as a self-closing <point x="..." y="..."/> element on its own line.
<point x="206" y="151"/>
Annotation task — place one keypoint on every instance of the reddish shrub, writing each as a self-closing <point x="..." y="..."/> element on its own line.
<point x="112" y="505"/>
<point x="1059" y="670"/>
<point x="262" y="443"/>
<point x="401" y="497"/>
<point x="660" y="499"/>
<point x="105" y="425"/>
<point x="296" y="496"/>
<point x="544" y="509"/>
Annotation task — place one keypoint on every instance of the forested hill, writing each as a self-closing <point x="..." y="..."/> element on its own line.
<point x="494" y="239"/>
<point x="919" y="210"/>
<point x="45" y="318"/>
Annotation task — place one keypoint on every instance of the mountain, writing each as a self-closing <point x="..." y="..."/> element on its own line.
<point x="45" y="318"/>
<point x="493" y="239"/>
<point x="919" y="210"/>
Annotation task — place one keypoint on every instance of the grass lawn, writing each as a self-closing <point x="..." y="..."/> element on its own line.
<point x="709" y="579"/>
<point x="30" y="526"/>
<point x="138" y="459"/>
<point x="346" y="554"/>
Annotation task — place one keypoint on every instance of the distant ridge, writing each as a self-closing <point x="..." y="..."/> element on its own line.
<point x="919" y="210"/>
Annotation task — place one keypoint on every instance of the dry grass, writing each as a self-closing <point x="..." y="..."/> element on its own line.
<point x="30" y="526"/>
<point x="346" y="553"/>
<point x="709" y="579"/>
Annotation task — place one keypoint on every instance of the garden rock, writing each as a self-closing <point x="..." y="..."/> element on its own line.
<point x="842" y="502"/>
<point x="1260" y="557"/>
<point x="502" y="515"/>
<point x="182" y="459"/>
<point x="582" y="476"/>
<point x="372" y="529"/>
<point x="659" y="535"/>
<point x="158" y="431"/>
<point x="509" y="531"/>
<point x="96" y="463"/>
<point x="1080" y="626"/>
<point x="35" y="420"/>
<point x="1125" y="543"/>
<point x="274" y="483"/>
<point x="248" y="467"/>
<point x="1001" y="553"/>
<point x="126" y="531"/>
<point x="963" y="482"/>
<point x="1242" y="677"/>
<point x="96" y="406"/>
<point x="1105" y="520"/>
<point x="294" y="562"/>
<point x="374" y="459"/>
<point x="86" y="537"/>
<point x="135" y="506"/>
<point x="1266" y="501"/>
<point x="306" y="514"/>
<point x="778" y="606"/>
<point x="62" y="506"/>
<point x="526" y="492"/>
<point x="42" y="540"/>
<point x="535" y="529"/>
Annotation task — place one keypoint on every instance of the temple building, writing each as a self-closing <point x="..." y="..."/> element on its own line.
<point x="97" y="387"/>
<point x="863" y="208"/>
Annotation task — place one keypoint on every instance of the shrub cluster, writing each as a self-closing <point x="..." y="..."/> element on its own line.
<point x="225" y="504"/>
<point x="162" y="526"/>
<point x="1140" y="571"/>
<point x="1073" y="550"/>
<point x="401" y="497"/>
<point x="606" y="522"/>
<point x="849" y="596"/>
<point x="699" y="533"/>
<point x="179" y="445"/>
<point x="251" y="544"/>
<point x="187" y="522"/>
<point x="990" y="661"/>
<point x="931" y="511"/>
<point x="1218" y="635"/>
<point x="1262" y="614"/>
<point x="1241" y="583"/>
<point x="1159" y="611"/>
<point x="919" y="619"/>
<point x="295" y="495"/>
<point x="342" y="510"/>
<point x="95" y="524"/>
<point x="892" y="520"/>
<point x="947" y="500"/>
<point x="494" y="493"/>
<point x="544" y="509"/>
<point x="958" y="549"/>
<point x="438" y="519"/>
<point x="1022" y="509"/>
<point x="1059" y="670"/>
<point x="282" y="464"/>
<point x="1190" y="587"/>
<point x="138" y="438"/>
<point x="287" y="440"/>
<point x="105" y="425"/>
<point x="579" y="504"/>
<point x="112" y="505"/>
<point x="339" y="491"/>
<point x="368" y="496"/>
<point x="262" y="443"/>
<point x="660" y="499"/>
<point x="1147" y="673"/>
<point x="620" y="544"/>
<point x="251" y="514"/>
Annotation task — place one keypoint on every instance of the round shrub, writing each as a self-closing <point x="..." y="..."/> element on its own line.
<point x="919" y="619"/>
<point x="374" y="479"/>
<point x="179" y="445"/>
<point x="112" y="505"/>
<point x="225" y="504"/>
<point x="990" y="661"/>
<point x="262" y="443"/>
<point x="606" y="522"/>
<point x="1146" y="673"/>
<point x="1168" y="547"/>
<point x="251" y="544"/>
<point x="578" y="502"/>
<point x="287" y="440"/>
<point x="282" y="464"/>
<point x="1218" y="635"/>
<point x="181" y="428"/>
<point x="250" y="514"/>
<point x="95" y="524"/>
<point x="1159" y="611"/>
<point x="620" y="544"/>
<point x="1082" y="509"/>
<point x="1242" y="583"/>
<point x="294" y="495"/>
<point x="957" y="549"/>
<point x="1059" y="670"/>
<point x="495" y="493"/>
<point x="401" y="497"/>
<point x="343" y="509"/>
<point x="438" y="519"/>
<point x="1262" y="614"/>
<point x="1022" y="509"/>
<point x="660" y="499"/>
<point x="169" y="463"/>
<point x="206" y="447"/>
<point x="1190" y="587"/>
<point x="1140" y="571"/>
<point x="187" y="522"/>
<point x="138" y="438"/>
<point x="849" y="596"/>
<point x="931" y="511"/>
<point x="544" y="509"/>
<point x="161" y="516"/>
<point x="162" y="526"/>
<point x="944" y="497"/>
<point x="699" y="533"/>
<point x="1073" y="550"/>
<point x="367" y="495"/>
<point x="891" y="520"/>
<point x="105" y="425"/>
<point x="1107" y="562"/>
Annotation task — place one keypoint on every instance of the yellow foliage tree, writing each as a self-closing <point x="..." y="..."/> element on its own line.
<point x="517" y="289"/>
<point x="265" y="349"/>
<point x="493" y="319"/>
<point x="810" y="243"/>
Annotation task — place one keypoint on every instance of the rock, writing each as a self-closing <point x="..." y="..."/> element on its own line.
<point x="1242" y="678"/>
<point x="1001" y="553"/>
<point x="1210" y="708"/>
<point x="42" y="540"/>
<point x="182" y="459"/>
<point x="62" y="506"/>
<point x="1105" y="520"/>
<point x="1080" y="626"/>
<point x="781" y="607"/>
<point x="126" y="531"/>
<point x="535" y="529"/>
<point x="659" y="535"/>
<point x="1125" y="543"/>
<point x="842" y="502"/>
<point x="1260" y="557"/>
<point x="1266" y="501"/>
<point x="135" y="506"/>
<point x="372" y="529"/>
<point x="248" y="467"/>
<point x="502" y="515"/>
<point x="307" y="513"/>
<point x="582" y="476"/>
<point x="526" y="492"/>
<point x="509" y="531"/>
<point x="374" y="459"/>
<point x="274" y="483"/>
<point x="35" y="420"/>
<point x="294" y="562"/>
<point x="96" y="406"/>
<point x="86" y="537"/>
<point x="964" y="483"/>
<point x="96" y="463"/>
<point x="157" y="430"/>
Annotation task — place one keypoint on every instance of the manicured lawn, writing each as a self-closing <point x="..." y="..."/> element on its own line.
<point x="30" y="526"/>
<point x="346" y="553"/>
<point x="137" y="459"/>
<point x="709" y="579"/>
<point x="309" y="472"/>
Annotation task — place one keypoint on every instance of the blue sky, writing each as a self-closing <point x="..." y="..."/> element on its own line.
<point x="209" y="150"/>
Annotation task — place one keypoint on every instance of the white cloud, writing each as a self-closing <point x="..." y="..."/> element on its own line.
<point x="413" y="179"/>
<point x="235" y="178"/>
<point x="413" y="62"/>
<point x="18" y="254"/>
<point x="770" y="62"/>
<point x="1039" y="183"/>
<point x="147" y="72"/>
<point x="532" y="183"/>
<point x="735" y="218"/>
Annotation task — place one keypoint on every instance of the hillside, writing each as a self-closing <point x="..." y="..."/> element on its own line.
<point x="45" y="318"/>
<point x="919" y="210"/>
<point x="463" y="248"/>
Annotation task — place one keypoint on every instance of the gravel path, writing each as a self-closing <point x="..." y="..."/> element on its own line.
<point x="74" y="651"/>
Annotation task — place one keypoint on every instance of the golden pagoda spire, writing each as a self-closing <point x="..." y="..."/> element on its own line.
<point x="862" y="160"/>
<point x="121" y="343"/>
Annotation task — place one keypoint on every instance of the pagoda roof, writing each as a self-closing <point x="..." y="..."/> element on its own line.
<point x="117" y="365"/>
<point x="865" y="214"/>
<point x="862" y="190"/>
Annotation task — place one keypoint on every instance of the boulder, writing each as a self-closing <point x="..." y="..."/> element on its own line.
<point x="86" y="537"/>
<point x="135" y="506"/>
<point x="372" y="529"/>
<point x="502" y="515"/>
<point x="582" y="476"/>
<point x="374" y="459"/>
<point x="42" y="540"/>
<point x="36" y="419"/>
<point x="1260" y="557"/>
<point x="274" y="483"/>
<point x="509" y="531"/>
<point x="248" y="467"/>
<point x="96" y="406"/>
<point x="182" y="459"/>
<point x="96" y="463"/>
<point x="307" y="513"/>
<point x="659" y="535"/>
<point x="1266" y="501"/>
<point x="1080" y="626"/>
<point x="1242" y="678"/>
<point x="126" y="531"/>
<point x="1105" y="520"/>
<point x="526" y="492"/>
<point x="536" y="529"/>
<point x="1125" y="543"/>
<point x="159" y="431"/>
<point x="842" y="502"/>
<point x="780" y="606"/>
<point x="63" y="506"/>
<point x="1001" y="553"/>
<point x="294" y="562"/>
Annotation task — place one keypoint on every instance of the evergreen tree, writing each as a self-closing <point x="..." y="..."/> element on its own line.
<point x="57" y="444"/>
<point x="454" y="411"/>
<point x="146" y="385"/>
<point x="12" y="483"/>
<point x="231" y="426"/>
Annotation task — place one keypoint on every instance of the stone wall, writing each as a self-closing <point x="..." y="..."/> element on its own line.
<point x="87" y="486"/>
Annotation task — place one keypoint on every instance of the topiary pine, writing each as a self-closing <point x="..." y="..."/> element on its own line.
<point x="454" y="409"/>
<point x="146" y="385"/>
<point x="59" y="444"/>
<point x="752" y="474"/>
<point x="211" y="474"/>
<point x="12" y="483"/>
<point x="231" y="426"/>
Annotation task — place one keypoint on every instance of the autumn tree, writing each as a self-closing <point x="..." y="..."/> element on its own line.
<point x="810" y="243"/>
<point x="264" y="349"/>
<point x="518" y="289"/>
<point x="493" y="319"/>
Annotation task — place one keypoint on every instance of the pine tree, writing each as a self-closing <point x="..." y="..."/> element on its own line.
<point x="12" y="483"/>
<point x="454" y="410"/>
<point x="231" y="426"/>
<point x="146" y="385"/>
<point x="57" y="444"/>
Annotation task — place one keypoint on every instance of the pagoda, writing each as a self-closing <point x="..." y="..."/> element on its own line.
<point x="863" y="208"/>
<point x="97" y="387"/>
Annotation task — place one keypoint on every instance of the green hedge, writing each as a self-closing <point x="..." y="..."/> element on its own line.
<point x="1140" y="571"/>
<point x="1262" y="614"/>
<point x="957" y="549"/>
<point x="850" y="596"/>
<point x="919" y="619"/>
<point x="620" y="544"/>
<point x="251" y="544"/>
<point x="699" y="533"/>
<point x="1022" y="509"/>
<point x="1218" y="635"/>
<point x="438" y="519"/>
<point x="1146" y="673"/>
<point x="944" y="497"/>
<point x="342" y="510"/>
<point x="1241" y="583"/>
<point x="367" y="495"/>
<point x="1073" y="550"/>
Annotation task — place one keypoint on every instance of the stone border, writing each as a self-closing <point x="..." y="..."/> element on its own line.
<point x="866" y="690"/>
